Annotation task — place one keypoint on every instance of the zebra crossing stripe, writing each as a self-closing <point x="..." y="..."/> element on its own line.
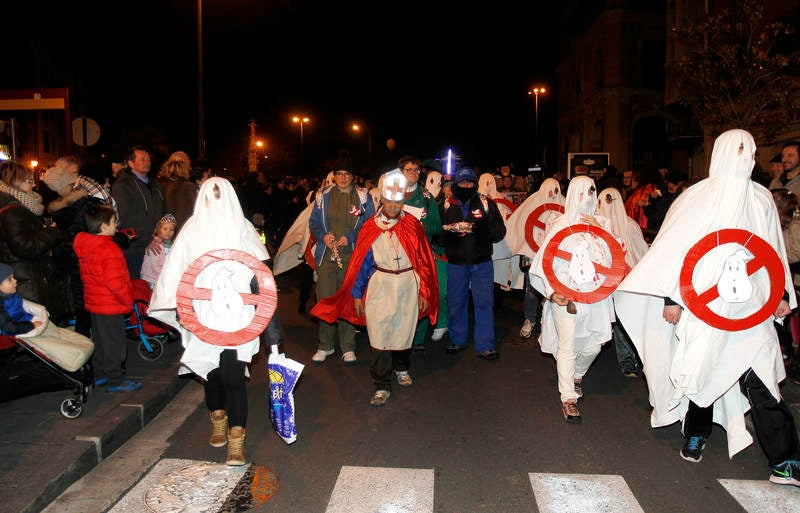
<point x="370" y="489"/>
<point x="579" y="493"/>
<point x="763" y="496"/>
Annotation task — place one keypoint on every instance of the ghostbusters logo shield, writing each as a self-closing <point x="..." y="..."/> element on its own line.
<point x="223" y="304"/>
<point x="734" y="285"/>
<point x="605" y="277"/>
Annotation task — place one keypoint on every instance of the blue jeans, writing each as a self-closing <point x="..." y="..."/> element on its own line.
<point x="476" y="280"/>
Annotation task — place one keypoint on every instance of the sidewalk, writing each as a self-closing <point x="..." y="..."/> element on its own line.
<point x="42" y="453"/>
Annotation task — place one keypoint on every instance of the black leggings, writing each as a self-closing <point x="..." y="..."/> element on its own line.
<point x="226" y="390"/>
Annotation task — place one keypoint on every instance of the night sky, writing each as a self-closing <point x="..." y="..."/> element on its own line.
<point x="429" y="77"/>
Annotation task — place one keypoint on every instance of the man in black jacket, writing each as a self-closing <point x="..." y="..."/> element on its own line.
<point x="471" y="224"/>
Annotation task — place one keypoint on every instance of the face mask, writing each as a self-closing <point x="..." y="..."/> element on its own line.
<point x="463" y="194"/>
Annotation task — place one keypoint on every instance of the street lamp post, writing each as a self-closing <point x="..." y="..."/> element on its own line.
<point x="357" y="128"/>
<point x="301" y="120"/>
<point x="201" y="120"/>
<point x="536" y="91"/>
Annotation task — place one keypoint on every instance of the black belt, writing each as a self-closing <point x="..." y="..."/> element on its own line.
<point x="399" y="271"/>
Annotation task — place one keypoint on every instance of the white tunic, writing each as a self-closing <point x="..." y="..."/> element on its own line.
<point x="391" y="301"/>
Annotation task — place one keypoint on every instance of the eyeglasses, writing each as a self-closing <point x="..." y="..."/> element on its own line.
<point x="609" y="198"/>
<point x="29" y="180"/>
<point x="411" y="170"/>
<point x="342" y="173"/>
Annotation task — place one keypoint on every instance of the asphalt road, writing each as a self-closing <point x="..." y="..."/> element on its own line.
<point x="476" y="436"/>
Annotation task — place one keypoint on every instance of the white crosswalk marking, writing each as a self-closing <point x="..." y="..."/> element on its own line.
<point x="763" y="496"/>
<point x="382" y="490"/>
<point x="579" y="493"/>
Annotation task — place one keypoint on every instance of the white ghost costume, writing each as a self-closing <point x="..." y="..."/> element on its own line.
<point x="693" y="360"/>
<point x="590" y="327"/>
<point x="217" y="223"/>
<point x="291" y="252"/>
<point x="506" y="265"/>
<point x="625" y="228"/>
<point x="549" y="192"/>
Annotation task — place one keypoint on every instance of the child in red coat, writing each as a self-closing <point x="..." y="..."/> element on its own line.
<point x="108" y="296"/>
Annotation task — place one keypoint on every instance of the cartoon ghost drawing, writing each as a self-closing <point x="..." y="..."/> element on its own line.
<point x="734" y="284"/>
<point x="581" y="267"/>
<point x="226" y="303"/>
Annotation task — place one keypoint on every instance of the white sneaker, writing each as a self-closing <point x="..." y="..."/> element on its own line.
<point x="349" y="357"/>
<point x="526" y="330"/>
<point x="320" y="355"/>
<point x="438" y="334"/>
<point x="403" y="378"/>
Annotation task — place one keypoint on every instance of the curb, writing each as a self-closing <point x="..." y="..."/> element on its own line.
<point x="99" y="440"/>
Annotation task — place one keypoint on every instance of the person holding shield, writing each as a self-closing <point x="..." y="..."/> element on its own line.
<point x="217" y="223"/>
<point x="574" y="331"/>
<point x="700" y="305"/>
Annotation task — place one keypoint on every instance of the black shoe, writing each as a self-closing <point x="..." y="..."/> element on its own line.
<point x="418" y="348"/>
<point x="693" y="449"/>
<point x="454" y="348"/>
<point x="491" y="354"/>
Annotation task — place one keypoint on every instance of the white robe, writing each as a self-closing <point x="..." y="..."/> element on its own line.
<point x="217" y="223"/>
<point x="593" y="320"/>
<point x="391" y="302"/>
<point x="693" y="360"/>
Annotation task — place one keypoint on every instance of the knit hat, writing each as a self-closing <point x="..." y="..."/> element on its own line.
<point x="58" y="178"/>
<point x="465" y="174"/>
<point x="5" y="272"/>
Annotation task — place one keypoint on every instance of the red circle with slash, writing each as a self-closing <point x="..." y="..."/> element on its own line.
<point x="764" y="256"/>
<point x="613" y="274"/>
<point x="510" y="204"/>
<point x="266" y="301"/>
<point x="535" y="220"/>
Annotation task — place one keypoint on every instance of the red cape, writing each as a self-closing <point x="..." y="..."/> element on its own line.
<point x="410" y="233"/>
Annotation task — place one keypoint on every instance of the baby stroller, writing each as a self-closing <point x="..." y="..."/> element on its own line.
<point x="150" y="334"/>
<point x="28" y="367"/>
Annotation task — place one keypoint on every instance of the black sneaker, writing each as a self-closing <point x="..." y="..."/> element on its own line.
<point x="786" y="473"/>
<point x="693" y="449"/>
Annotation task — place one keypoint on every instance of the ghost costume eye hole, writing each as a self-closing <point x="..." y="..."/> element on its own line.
<point x="216" y="191"/>
<point x="555" y="191"/>
<point x="609" y="198"/>
<point x="592" y="190"/>
<point x="741" y="148"/>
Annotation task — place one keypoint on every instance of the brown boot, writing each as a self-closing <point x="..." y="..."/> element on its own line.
<point x="235" y="447"/>
<point x="219" y="428"/>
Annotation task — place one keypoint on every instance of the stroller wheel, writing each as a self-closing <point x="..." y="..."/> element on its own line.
<point x="71" y="408"/>
<point x="156" y="349"/>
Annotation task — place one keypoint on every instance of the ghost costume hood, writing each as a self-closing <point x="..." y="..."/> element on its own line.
<point x="627" y="230"/>
<point x="693" y="360"/>
<point x="217" y="223"/>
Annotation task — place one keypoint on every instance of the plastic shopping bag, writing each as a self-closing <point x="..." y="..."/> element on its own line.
<point x="283" y="375"/>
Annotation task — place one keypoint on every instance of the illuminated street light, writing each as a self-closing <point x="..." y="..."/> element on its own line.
<point x="357" y="128"/>
<point x="301" y="120"/>
<point x="536" y="91"/>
